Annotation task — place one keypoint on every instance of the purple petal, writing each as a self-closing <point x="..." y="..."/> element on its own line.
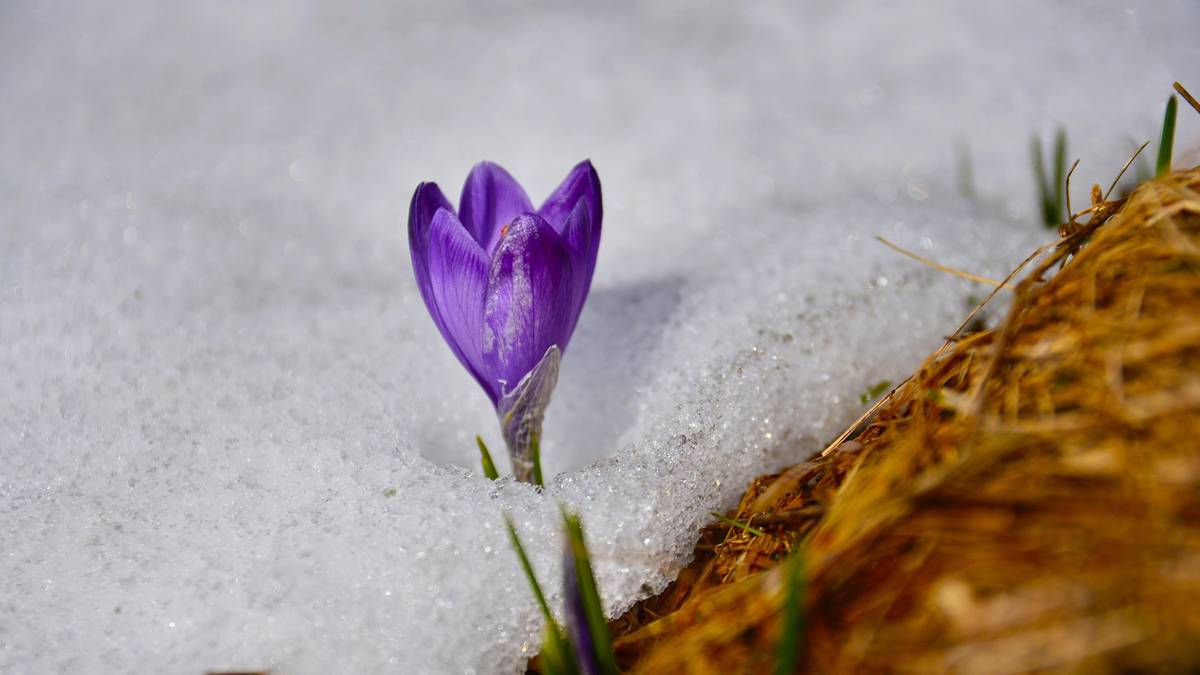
<point x="583" y="240"/>
<point x="457" y="282"/>
<point x="426" y="202"/>
<point x="491" y="199"/>
<point x="530" y="300"/>
<point x="581" y="183"/>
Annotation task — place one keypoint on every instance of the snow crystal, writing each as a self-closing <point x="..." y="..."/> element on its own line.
<point x="231" y="437"/>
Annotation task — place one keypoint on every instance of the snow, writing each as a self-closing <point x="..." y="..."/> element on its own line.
<point x="231" y="437"/>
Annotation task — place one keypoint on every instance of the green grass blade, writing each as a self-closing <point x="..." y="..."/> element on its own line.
<point x="1051" y="186"/>
<point x="528" y="569"/>
<point x="739" y="524"/>
<point x="791" y="637"/>
<point x="878" y="388"/>
<point x="596" y="623"/>
<point x="1060" y="175"/>
<point x="489" y="467"/>
<point x="1167" y="142"/>
<point x="557" y="656"/>
<point x="557" y="645"/>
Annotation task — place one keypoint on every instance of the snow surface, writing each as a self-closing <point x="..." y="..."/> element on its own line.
<point x="231" y="437"/>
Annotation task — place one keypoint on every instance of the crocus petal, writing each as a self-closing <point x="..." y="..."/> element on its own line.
<point x="490" y="200"/>
<point x="583" y="240"/>
<point x="458" y="273"/>
<point x="581" y="183"/>
<point x="529" y="300"/>
<point x="426" y="202"/>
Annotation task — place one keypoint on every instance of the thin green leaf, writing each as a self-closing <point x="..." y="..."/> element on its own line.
<point x="876" y="389"/>
<point x="528" y="568"/>
<point x="1167" y="142"/>
<point x="597" y="625"/>
<point x="558" y="658"/>
<point x="739" y="524"/>
<point x="791" y="637"/>
<point x="1051" y="187"/>
<point x="1060" y="174"/>
<point x="489" y="467"/>
<point x="556" y="642"/>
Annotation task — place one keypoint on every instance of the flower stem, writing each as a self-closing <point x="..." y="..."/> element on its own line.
<point x="536" y="451"/>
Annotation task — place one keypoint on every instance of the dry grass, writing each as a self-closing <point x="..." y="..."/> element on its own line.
<point x="1028" y="500"/>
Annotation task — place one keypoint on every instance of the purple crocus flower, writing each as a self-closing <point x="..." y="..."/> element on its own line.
<point x="505" y="284"/>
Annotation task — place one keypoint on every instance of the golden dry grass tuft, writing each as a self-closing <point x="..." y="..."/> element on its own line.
<point x="1028" y="500"/>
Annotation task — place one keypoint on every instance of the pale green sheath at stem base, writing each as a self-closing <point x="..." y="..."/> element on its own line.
<point x="521" y="412"/>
